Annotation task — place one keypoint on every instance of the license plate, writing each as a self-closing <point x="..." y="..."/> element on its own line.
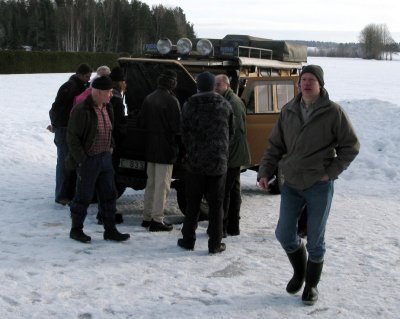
<point x="132" y="164"/>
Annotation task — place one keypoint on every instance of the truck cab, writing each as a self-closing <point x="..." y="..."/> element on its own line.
<point x="263" y="72"/>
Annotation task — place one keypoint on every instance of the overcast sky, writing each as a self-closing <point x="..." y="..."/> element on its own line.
<point x="336" y="20"/>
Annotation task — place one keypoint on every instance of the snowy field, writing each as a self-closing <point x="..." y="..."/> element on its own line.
<point x="44" y="274"/>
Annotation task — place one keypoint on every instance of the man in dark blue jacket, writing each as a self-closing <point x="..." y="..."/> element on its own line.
<point x="59" y="116"/>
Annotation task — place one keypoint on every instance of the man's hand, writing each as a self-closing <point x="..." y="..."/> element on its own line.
<point x="325" y="178"/>
<point x="50" y="128"/>
<point x="263" y="182"/>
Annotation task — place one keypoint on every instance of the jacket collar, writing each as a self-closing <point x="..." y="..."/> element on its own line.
<point x="322" y="102"/>
<point x="89" y="103"/>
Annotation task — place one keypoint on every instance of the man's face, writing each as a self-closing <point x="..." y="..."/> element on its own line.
<point x="309" y="86"/>
<point x="85" y="77"/>
<point x="103" y="72"/>
<point x="220" y="86"/>
<point x="101" y="96"/>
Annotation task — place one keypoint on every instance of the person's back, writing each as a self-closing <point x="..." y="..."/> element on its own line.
<point x="161" y="116"/>
<point x="206" y="130"/>
<point x="207" y="126"/>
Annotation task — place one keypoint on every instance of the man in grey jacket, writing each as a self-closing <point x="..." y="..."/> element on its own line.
<point x="313" y="142"/>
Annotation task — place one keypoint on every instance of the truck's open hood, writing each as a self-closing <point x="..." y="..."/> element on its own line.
<point x="141" y="78"/>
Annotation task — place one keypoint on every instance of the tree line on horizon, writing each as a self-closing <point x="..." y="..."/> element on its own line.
<point x="88" y="25"/>
<point x="126" y="25"/>
<point x="375" y="42"/>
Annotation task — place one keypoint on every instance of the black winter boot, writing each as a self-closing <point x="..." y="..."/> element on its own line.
<point x="77" y="234"/>
<point x="310" y="293"/>
<point x="218" y="249"/>
<point x="157" y="227"/>
<point x="185" y="245"/>
<point x="298" y="259"/>
<point x="112" y="233"/>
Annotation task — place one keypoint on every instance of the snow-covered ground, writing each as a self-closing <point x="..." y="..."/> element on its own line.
<point x="44" y="274"/>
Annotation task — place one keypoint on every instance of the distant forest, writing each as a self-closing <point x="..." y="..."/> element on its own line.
<point x="125" y="26"/>
<point x="349" y="50"/>
<point x="88" y="25"/>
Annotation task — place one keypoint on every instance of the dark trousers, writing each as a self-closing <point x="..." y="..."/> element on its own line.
<point x="60" y="139"/>
<point x="198" y="185"/>
<point x="96" y="174"/>
<point x="68" y="186"/>
<point x="232" y="200"/>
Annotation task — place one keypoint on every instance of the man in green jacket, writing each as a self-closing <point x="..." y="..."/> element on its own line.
<point x="239" y="155"/>
<point x="89" y="140"/>
<point x="313" y="142"/>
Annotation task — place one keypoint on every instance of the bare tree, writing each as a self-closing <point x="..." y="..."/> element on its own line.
<point x="376" y="41"/>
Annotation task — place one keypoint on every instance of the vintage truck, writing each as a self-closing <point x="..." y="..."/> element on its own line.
<point x="263" y="72"/>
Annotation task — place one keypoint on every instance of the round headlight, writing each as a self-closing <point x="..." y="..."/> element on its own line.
<point x="164" y="46"/>
<point x="184" y="46"/>
<point x="204" y="47"/>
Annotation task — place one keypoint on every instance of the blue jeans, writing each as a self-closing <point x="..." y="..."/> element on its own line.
<point x="318" y="199"/>
<point x="60" y="139"/>
<point x="95" y="175"/>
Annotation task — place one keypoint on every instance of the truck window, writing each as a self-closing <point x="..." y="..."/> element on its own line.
<point x="268" y="96"/>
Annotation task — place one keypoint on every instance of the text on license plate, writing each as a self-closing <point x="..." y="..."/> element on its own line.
<point x="132" y="164"/>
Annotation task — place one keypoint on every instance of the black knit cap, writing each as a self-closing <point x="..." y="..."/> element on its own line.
<point x="84" y="69"/>
<point x="102" y="83"/>
<point x="117" y="74"/>
<point x="205" y="82"/>
<point x="168" y="79"/>
<point x="316" y="70"/>
<point x="169" y="74"/>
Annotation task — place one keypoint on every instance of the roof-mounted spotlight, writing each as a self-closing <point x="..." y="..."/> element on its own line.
<point x="164" y="46"/>
<point x="204" y="47"/>
<point x="184" y="46"/>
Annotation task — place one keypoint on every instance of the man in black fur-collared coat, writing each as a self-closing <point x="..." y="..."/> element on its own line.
<point x="207" y="126"/>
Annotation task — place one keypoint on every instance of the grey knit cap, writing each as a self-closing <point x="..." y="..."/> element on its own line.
<point x="316" y="70"/>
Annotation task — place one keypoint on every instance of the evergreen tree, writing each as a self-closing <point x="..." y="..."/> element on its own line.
<point x="88" y="25"/>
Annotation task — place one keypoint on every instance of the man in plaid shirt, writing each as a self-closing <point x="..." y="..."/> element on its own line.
<point x="89" y="138"/>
